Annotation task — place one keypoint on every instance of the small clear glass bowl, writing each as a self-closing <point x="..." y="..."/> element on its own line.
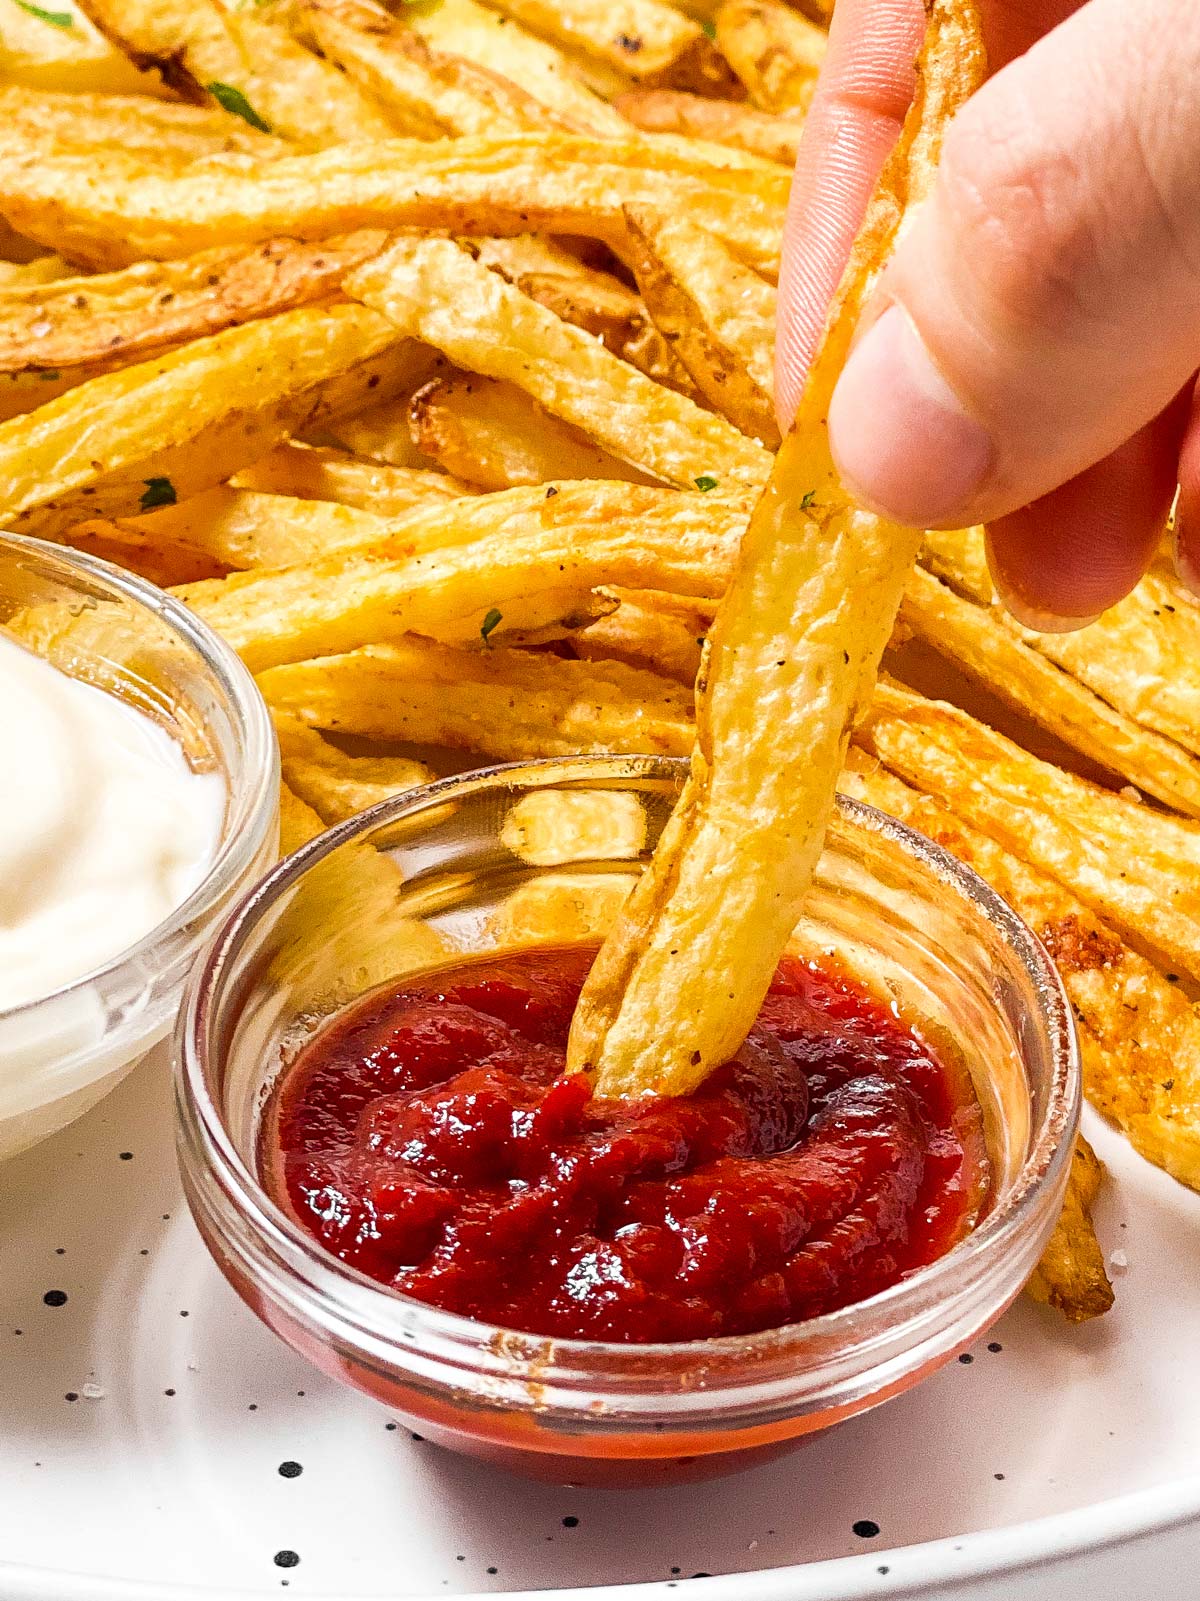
<point x="541" y="853"/>
<point x="61" y="1052"/>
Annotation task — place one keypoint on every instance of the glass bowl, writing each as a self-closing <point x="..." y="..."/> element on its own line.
<point x="541" y="853"/>
<point x="61" y="1052"/>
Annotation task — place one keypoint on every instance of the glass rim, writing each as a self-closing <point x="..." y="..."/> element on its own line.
<point x="250" y="801"/>
<point x="375" y="1311"/>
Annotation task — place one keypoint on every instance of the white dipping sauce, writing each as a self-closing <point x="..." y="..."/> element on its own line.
<point x="104" y="828"/>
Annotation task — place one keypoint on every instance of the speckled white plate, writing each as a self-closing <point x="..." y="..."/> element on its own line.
<point x="157" y="1442"/>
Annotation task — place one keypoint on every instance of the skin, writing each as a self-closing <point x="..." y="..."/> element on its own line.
<point x="1030" y="357"/>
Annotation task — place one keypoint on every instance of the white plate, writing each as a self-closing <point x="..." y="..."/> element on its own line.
<point x="163" y="1479"/>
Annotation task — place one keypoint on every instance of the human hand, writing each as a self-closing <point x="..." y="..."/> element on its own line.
<point x="1032" y="355"/>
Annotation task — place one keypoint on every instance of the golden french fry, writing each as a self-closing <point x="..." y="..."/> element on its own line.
<point x="247" y="66"/>
<point x="717" y="316"/>
<point x="504" y="704"/>
<point x="979" y="644"/>
<point x="108" y="209"/>
<point x="432" y="290"/>
<point x="1138" y="868"/>
<point x="155" y="433"/>
<point x="383" y="433"/>
<point x="518" y="573"/>
<point x="160" y="129"/>
<point x="493" y="43"/>
<point x="558" y="909"/>
<point x="645" y="40"/>
<point x="776" y="52"/>
<point x="334" y="784"/>
<point x="1070" y="1276"/>
<point x="1139" y="1034"/>
<point x="758" y="133"/>
<point x="648" y="630"/>
<point x="164" y="565"/>
<point x="496" y="436"/>
<point x="789" y="666"/>
<point x="426" y="92"/>
<point x="30" y="274"/>
<point x="313" y="472"/>
<point x="37" y="53"/>
<point x="552" y="827"/>
<point x="78" y="322"/>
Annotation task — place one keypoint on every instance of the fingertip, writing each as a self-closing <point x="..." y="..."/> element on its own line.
<point x="1187" y="511"/>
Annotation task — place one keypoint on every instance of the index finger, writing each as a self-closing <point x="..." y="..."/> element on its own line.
<point x="862" y="96"/>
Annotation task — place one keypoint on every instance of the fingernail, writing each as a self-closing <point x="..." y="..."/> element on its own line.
<point x="901" y="439"/>
<point x="1031" y="616"/>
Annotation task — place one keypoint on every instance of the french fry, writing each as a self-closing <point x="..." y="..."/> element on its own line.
<point x="975" y="640"/>
<point x="504" y="704"/>
<point x="426" y="92"/>
<point x="81" y="323"/>
<point x="1137" y="868"/>
<point x="717" y="316"/>
<point x="30" y="274"/>
<point x="597" y="302"/>
<point x="776" y="52"/>
<point x="247" y="66"/>
<point x="789" y="666"/>
<point x="433" y="291"/>
<point x="490" y="41"/>
<point x="313" y="472"/>
<point x="38" y="53"/>
<point x="558" y="909"/>
<point x="1139" y="1035"/>
<point x="107" y="209"/>
<point x="517" y="574"/>
<point x="160" y="129"/>
<point x="334" y="784"/>
<point x="648" y="630"/>
<point x="1070" y="1276"/>
<point x="645" y="40"/>
<point x="164" y="565"/>
<point x="383" y="433"/>
<point x="495" y="436"/>
<point x="179" y="423"/>
<point x="758" y="133"/>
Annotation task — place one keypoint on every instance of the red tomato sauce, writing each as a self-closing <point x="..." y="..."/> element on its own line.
<point x="429" y="1137"/>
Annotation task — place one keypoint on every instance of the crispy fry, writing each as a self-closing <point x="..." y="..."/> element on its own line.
<point x="383" y="433"/>
<point x="776" y="52"/>
<point x="30" y="274"/>
<point x="597" y="302"/>
<point x="1136" y="867"/>
<point x="36" y="54"/>
<point x="790" y="664"/>
<point x="517" y="572"/>
<point x="1070" y="1276"/>
<point x="558" y="909"/>
<point x="159" y="129"/>
<point x="1139" y="1035"/>
<point x="505" y="704"/>
<point x="718" y="316"/>
<point x="250" y="68"/>
<point x="645" y="40"/>
<point x="426" y="92"/>
<point x="467" y="29"/>
<point x="974" y="639"/>
<point x="314" y="472"/>
<point x="164" y="565"/>
<point x="175" y="425"/>
<point x="434" y="291"/>
<point x="495" y="436"/>
<point x="335" y="785"/>
<point x="108" y="209"/>
<point x="651" y="631"/>
<point x="759" y="133"/>
<point x="79" y="322"/>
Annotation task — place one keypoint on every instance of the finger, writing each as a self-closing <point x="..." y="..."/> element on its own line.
<point x="1011" y="26"/>
<point x="1187" y="515"/>
<point x="1066" y="558"/>
<point x="864" y="91"/>
<point x="1045" y="304"/>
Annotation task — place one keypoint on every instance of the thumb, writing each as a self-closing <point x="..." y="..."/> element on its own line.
<point x="1044" y="304"/>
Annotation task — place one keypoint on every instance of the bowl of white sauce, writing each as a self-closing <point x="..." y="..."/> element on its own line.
<point x="138" y="800"/>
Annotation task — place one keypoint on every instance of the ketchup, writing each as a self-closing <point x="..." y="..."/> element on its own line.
<point x="429" y="1137"/>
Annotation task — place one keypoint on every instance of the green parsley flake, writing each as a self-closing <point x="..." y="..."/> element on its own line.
<point x="49" y="374"/>
<point x="806" y="503"/>
<point x="56" y="19"/>
<point x="710" y="28"/>
<point x="705" y="482"/>
<point x="491" y="621"/>
<point x="158" y="492"/>
<point x="234" y="101"/>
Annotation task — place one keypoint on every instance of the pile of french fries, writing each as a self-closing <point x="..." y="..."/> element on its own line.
<point x="426" y="353"/>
